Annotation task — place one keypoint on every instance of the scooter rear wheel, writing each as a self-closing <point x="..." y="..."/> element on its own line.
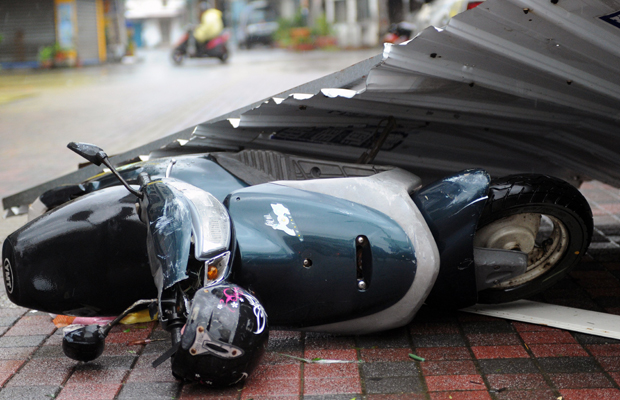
<point x="543" y="216"/>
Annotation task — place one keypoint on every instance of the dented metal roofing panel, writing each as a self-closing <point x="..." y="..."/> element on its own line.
<point x="510" y="86"/>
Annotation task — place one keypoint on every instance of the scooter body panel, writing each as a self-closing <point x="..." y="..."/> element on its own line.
<point x="298" y="253"/>
<point x="452" y="208"/>
<point x="84" y="258"/>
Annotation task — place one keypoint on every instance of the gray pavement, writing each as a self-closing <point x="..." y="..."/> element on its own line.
<point x="123" y="106"/>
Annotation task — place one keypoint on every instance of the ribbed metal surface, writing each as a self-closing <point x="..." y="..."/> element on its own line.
<point x="511" y="86"/>
<point x="26" y="26"/>
<point x="87" y="41"/>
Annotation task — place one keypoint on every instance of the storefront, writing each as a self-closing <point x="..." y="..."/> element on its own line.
<point x="36" y="33"/>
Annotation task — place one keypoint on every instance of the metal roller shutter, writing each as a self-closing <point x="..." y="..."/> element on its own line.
<point x="87" y="44"/>
<point x="25" y="26"/>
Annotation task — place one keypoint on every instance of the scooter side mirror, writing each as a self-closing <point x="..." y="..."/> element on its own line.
<point x="83" y="343"/>
<point x="92" y="153"/>
<point x="97" y="156"/>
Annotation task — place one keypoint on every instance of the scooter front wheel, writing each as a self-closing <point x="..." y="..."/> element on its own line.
<point x="546" y="218"/>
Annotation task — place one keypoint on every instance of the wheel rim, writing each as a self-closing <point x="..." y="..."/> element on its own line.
<point x="549" y="238"/>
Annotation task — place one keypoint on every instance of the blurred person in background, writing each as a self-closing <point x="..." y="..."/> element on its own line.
<point x="211" y="24"/>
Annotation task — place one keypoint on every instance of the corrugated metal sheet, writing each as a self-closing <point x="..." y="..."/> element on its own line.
<point x="26" y="26"/>
<point x="87" y="41"/>
<point x="511" y="86"/>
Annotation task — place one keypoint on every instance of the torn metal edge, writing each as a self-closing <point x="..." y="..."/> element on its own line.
<point x="568" y="318"/>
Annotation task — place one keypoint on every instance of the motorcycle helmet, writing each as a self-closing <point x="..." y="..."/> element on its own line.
<point x="224" y="338"/>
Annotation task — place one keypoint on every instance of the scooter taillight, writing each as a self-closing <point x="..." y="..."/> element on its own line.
<point x="223" y="38"/>
<point x="473" y="4"/>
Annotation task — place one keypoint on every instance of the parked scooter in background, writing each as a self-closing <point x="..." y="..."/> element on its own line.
<point x="399" y="33"/>
<point x="218" y="244"/>
<point x="188" y="47"/>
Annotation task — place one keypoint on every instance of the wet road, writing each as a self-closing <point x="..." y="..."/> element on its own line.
<point x="123" y="106"/>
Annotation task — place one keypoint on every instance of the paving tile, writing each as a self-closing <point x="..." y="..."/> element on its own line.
<point x="444" y="353"/>
<point x="328" y="342"/>
<point x="195" y="391"/>
<point x="387" y="339"/>
<point x="433" y="328"/>
<point x="387" y="369"/>
<point x="607" y="350"/>
<point x="89" y="391"/>
<point x="21" y="341"/>
<point x="338" y="354"/>
<point x="493" y="339"/>
<point x="454" y="382"/>
<point x="49" y="351"/>
<point x="150" y="390"/>
<point x="30" y="328"/>
<point x="591" y="339"/>
<point x="151" y="375"/>
<point x="438" y="340"/>
<point x="325" y="397"/>
<point x="387" y="355"/>
<point x="271" y="357"/>
<point x="393" y="385"/>
<point x="508" y="366"/>
<point x="29" y="393"/>
<point x="524" y="327"/>
<point x="16" y="353"/>
<point x="283" y="345"/>
<point x="481" y="352"/>
<point x="546" y="394"/>
<point x="399" y="396"/>
<point x="98" y="376"/>
<point x="8" y="321"/>
<point x="590" y="394"/>
<point x="609" y="363"/>
<point x="495" y="326"/>
<point x="465" y="367"/>
<point x="568" y="365"/>
<point x="8" y="368"/>
<point x="264" y="387"/>
<point x="476" y="395"/>
<point x="286" y="371"/>
<point x="517" y="381"/>
<point x="43" y="372"/>
<point x="323" y="371"/>
<point x="335" y="386"/>
<point x="547" y="337"/>
<point x="108" y="362"/>
<point x="558" y="350"/>
<point x="580" y="380"/>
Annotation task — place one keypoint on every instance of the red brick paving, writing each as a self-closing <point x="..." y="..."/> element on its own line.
<point x="443" y="353"/>
<point x="547" y="337"/>
<point x="580" y="381"/>
<point x="590" y="394"/>
<point x="478" y="395"/>
<point x="558" y="350"/>
<point x="448" y="367"/>
<point x="482" y="352"/>
<point x="375" y="355"/>
<point x="332" y="386"/>
<point x="89" y="391"/>
<point x="517" y="381"/>
<point x="442" y="383"/>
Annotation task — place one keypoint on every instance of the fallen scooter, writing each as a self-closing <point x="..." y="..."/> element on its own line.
<point x="188" y="47"/>
<point x="221" y="248"/>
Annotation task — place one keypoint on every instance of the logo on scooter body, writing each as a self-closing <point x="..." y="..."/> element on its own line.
<point x="8" y="275"/>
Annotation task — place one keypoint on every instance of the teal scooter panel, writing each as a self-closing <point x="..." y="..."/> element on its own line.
<point x="315" y="259"/>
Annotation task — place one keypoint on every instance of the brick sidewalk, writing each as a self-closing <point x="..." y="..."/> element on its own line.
<point x="467" y="357"/>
